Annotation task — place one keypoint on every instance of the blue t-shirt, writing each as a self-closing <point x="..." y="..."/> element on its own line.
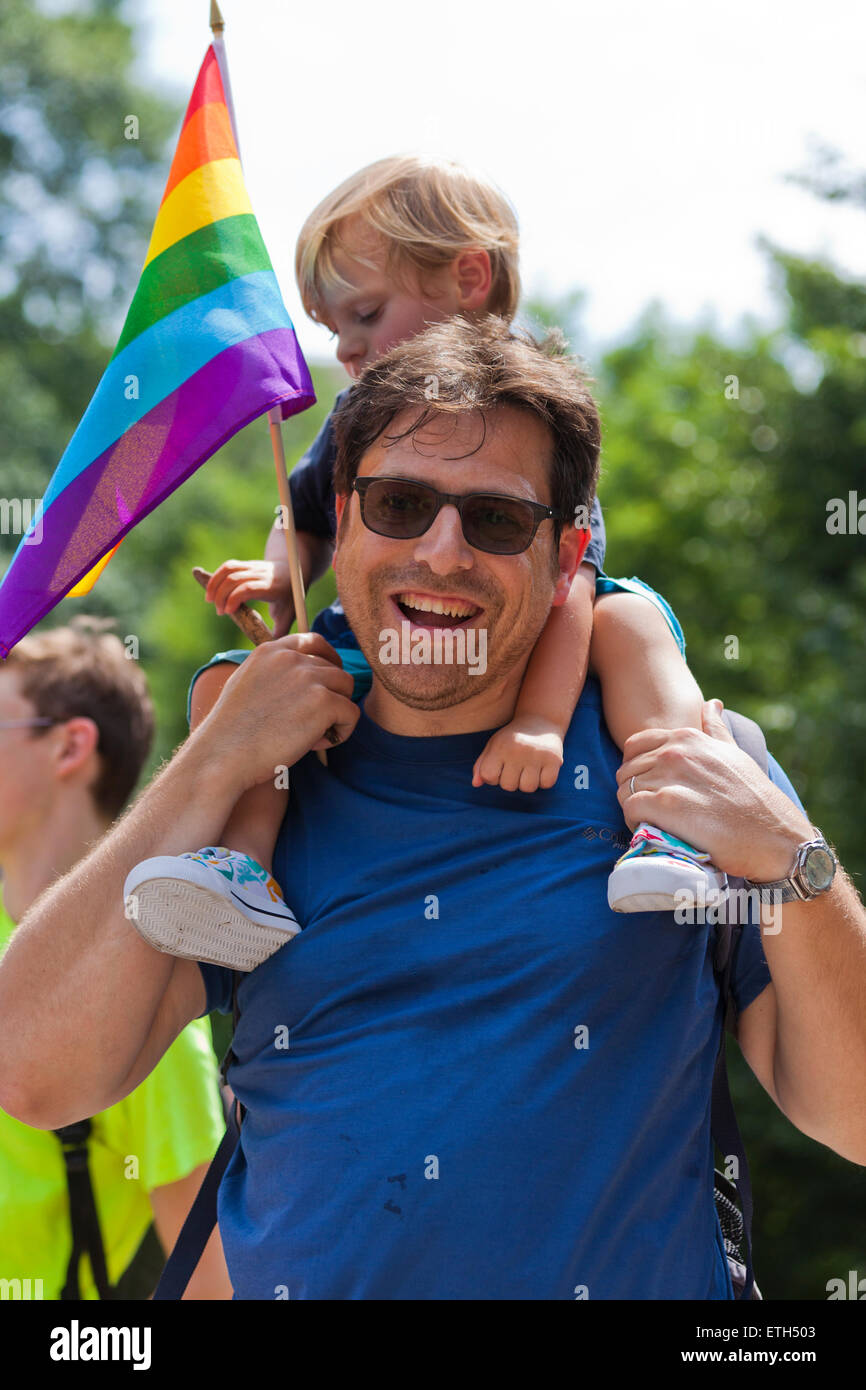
<point x="312" y="487"/>
<point x="467" y="1078"/>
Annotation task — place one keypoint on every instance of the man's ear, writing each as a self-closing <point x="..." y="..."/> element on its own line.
<point x="572" y="548"/>
<point x="78" y="740"/>
<point x="471" y="270"/>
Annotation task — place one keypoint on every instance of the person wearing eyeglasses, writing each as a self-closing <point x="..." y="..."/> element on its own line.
<point x="464" y="1077"/>
<point x="76" y="725"/>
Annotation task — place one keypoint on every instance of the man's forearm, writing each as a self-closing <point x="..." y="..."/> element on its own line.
<point x="818" y="964"/>
<point x="79" y="988"/>
<point x="804" y="1036"/>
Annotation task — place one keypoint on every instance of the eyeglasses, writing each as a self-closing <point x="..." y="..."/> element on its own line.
<point x="403" y="509"/>
<point x="26" y="723"/>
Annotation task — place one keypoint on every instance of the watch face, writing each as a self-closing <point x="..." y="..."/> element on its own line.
<point x="818" y="869"/>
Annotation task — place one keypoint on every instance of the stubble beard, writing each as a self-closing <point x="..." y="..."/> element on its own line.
<point x="437" y="687"/>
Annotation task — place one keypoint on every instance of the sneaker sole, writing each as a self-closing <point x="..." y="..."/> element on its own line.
<point x="627" y="890"/>
<point x="188" y="920"/>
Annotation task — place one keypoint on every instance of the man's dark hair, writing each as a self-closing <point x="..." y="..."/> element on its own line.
<point x="458" y="366"/>
<point x="84" y="669"/>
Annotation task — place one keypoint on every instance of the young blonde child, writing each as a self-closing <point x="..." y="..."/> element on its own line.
<point x="404" y="243"/>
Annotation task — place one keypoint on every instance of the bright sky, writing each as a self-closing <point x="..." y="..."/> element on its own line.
<point x="644" y="146"/>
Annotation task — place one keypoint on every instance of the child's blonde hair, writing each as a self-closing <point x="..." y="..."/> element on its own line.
<point x="427" y="211"/>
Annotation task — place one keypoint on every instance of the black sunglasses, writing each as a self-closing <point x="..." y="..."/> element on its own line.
<point x="402" y="509"/>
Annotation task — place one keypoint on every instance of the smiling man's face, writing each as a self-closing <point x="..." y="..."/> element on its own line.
<point x="384" y="582"/>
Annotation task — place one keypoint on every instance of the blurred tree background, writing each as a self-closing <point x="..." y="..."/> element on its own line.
<point x="721" y="459"/>
<point x="721" y="465"/>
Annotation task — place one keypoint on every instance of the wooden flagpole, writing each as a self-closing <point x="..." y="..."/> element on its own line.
<point x="275" y="419"/>
<point x="287" y="519"/>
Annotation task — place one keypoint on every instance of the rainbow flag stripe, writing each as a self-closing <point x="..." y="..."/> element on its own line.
<point x="207" y="346"/>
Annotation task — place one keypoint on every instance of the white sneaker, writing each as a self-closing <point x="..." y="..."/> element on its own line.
<point x="215" y="905"/>
<point x="657" y="869"/>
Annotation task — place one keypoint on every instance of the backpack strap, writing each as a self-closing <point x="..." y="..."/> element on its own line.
<point x="83" y="1216"/>
<point x="749" y="736"/>
<point x="199" y="1224"/>
<point x="202" y="1218"/>
<point x="142" y="1274"/>
<point x="723" y="1119"/>
<point x="229" y="1059"/>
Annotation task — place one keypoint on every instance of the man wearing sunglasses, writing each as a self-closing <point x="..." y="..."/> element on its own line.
<point x="465" y="1077"/>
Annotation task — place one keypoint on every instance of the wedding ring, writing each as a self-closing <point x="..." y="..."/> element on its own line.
<point x="631" y="787"/>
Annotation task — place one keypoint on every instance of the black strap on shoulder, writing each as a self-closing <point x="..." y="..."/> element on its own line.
<point x="83" y="1216"/>
<point x="723" y="1119"/>
<point x="199" y="1224"/>
<point x="202" y="1218"/>
<point x="141" y="1276"/>
<point x="229" y="1059"/>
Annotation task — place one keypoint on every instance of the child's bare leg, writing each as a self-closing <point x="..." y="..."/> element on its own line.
<point x="254" y="824"/>
<point x="527" y="752"/>
<point x="645" y="682"/>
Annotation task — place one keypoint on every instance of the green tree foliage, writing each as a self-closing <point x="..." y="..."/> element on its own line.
<point x="77" y="200"/>
<point x="720" y="463"/>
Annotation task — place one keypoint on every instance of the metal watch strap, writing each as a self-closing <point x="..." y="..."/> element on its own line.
<point x="781" y="890"/>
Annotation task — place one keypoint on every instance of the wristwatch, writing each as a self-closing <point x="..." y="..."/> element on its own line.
<point x="812" y="873"/>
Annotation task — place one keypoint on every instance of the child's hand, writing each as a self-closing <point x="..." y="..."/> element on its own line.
<point x="523" y="756"/>
<point x="252" y="581"/>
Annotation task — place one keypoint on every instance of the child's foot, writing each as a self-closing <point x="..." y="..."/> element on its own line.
<point x="215" y="905"/>
<point x="656" y="868"/>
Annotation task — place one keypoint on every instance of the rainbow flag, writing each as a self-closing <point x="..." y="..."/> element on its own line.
<point x="207" y="346"/>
